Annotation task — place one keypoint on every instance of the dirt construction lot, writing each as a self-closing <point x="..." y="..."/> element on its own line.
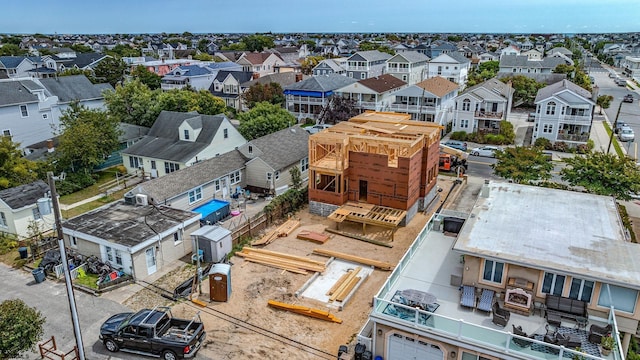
<point x="246" y="328"/>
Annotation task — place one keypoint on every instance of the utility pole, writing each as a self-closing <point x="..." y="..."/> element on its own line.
<point x="67" y="274"/>
<point x="615" y="123"/>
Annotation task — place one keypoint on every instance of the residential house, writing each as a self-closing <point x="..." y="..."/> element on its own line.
<point x="378" y="158"/>
<point x="283" y="79"/>
<point x="177" y="140"/>
<point x="307" y="98"/>
<point x="331" y="66"/>
<point x="532" y="54"/>
<point x="441" y="47"/>
<point x="374" y="93"/>
<point x="631" y="67"/>
<point x="452" y="66"/>
<point x="136" y="239"/>
<point x="86" y="61"/>
<point x="510" y="50"/>
<point x="564" y="112"/>
<point x="522" y="65"/>
<point x="227" y="85"/>
<point x="270" y="159"/>
<point x="262" y="63"/>
<point x="198" y="77"/>
<point x="409" y="66"/>
<point x="519" y="246"/>
<point x="164" y="66"/>
<point x="70" y="89"/>
<point x="487" y="56"/>
<point x="482" y="107"/>
<point x="16" y="66"/>
<point x="366" y="64"/>
<point x="429" y="100"/>
<point x="19" y="213"/>
<point x="562" y="50"/>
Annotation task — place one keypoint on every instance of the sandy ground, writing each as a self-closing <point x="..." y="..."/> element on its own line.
<point x="246" y="328"/>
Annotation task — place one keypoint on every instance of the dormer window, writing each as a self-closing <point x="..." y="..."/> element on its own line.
<point x="250" y="149"/>
<point x="186" y="134"/>
<point x="225" y="132"/>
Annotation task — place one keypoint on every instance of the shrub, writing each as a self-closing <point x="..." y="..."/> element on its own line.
<point x="507" y="132"/>
<point x="459" y="135"/>
<point x="496" y="139"/>
<point x="560" y="146"/>
<point x="582" y="149"/>
<point x="476" y="137"/>
<point x="590" y="144"/>
<point x="74" y="182"/>
<point x="543" y="143"/>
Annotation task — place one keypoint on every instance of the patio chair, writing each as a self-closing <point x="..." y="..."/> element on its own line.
<point x="597" y="332"/>
<point x="468" y="296"/>
<point x="517" y="330"/>
<point x="486" y="300"/>
<point x="200" y="256"/>
<point x="500" y="315"/>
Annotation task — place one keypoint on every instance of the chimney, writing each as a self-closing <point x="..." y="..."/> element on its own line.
<point x="484" y="192"/>
<point x="50" y="148"/>
<point x="298" y="77"/>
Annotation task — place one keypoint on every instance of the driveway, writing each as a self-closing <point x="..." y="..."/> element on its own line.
<point x="50" y="298"/>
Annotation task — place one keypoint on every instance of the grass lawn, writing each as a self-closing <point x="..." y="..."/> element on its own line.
<point x="67" y="214"/>
<point x="88" y="280"/>
<point x="614" y="141"/>
<point x="104" y="177"/>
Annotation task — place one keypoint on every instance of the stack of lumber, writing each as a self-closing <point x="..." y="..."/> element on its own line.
<point x="344" y="285"/>
<point x="377" y="264"/>
<point x="282" y="231"/>
<point x="292" y="263"/>
<point x="318" y="314"/>
<point x="312" y="236"/>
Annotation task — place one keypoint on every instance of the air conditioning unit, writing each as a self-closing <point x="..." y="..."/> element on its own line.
<point x="130" y="199"/>
<point x="141" y="199"/>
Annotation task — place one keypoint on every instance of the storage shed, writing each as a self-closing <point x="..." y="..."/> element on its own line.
<point x="213" y="241"/>
<point x="220" y="282"/>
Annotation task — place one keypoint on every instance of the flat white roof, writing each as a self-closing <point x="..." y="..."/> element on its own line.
<point x="556" y="230"/>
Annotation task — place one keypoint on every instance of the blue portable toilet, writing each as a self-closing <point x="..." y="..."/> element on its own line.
<point x="220" y="282"/>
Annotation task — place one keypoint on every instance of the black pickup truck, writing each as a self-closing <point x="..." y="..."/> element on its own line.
<point x="153" y="332"/>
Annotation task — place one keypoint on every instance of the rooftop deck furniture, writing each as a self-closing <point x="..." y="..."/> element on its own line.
<point x="500" y="315"/>
<point x="486" y="300"/>
<point x="517" y="330"/>
<point x="565" y="307"/>
<point x="597" y="332"/>
<point x="468" y="296"/>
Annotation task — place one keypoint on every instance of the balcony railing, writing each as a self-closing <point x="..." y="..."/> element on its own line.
<point x="412" y="108"/>
<point x="399" y="70"/>
<point x="357" y="68"/>
<point x="489" y="114"/>
<point x="573" y="137"/>
<point x="305" y="100"/>
<point x="171" y="86"/>
<point x="575" y="119"/>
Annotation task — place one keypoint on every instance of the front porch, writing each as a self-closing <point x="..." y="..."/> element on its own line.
<point x="488" y="126"/>
<point x="573" y="133"/>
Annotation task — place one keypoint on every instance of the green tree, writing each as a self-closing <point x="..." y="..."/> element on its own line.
<point x="603" y="174"/>
<point x="564" y="69"/>
<point x="87" y="137"/>
<point x="604" y="101"/>
<point x="525" y="89"/>
<point x="264" y="119"/>
<point x="257" y="93"/>
<point x="203" y="56"/>
<point x="187" y="100"/>
<point x="151" y="79"/>
<point x="522" y="164"/>
<point x="21" y="327"/>
<point x="76" y="71"/>
<point x="239" y="46"/>
<point x="296" y="178"/>
<point x="11" y="50"/>
<point x="121" y="50"/>
<point x="132" y="103"/>
<point x="14" y="168"/>
<point x="309" y="63"/>
<point x="339" y="109"/>
<point x="485" y="71"/>
<point x="110" y="70"/>
<point x="202" y="45"/>
<point x="367" y="45"/>
<point x="258" y="42"/>
<point x="81" y="48"/>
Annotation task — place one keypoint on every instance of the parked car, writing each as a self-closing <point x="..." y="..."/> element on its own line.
<point x="626" y="134"/>
<point x="628" y="98"/>
<point x="155" y="333"/>
<point x="531" y="117"/>
<point x="621" y="82"/>
<point x="460" y="145"/>
<point x="620" y="125"/>
<point x="317" y="128"/>
<point x="488" y="151"/>
<point x="613" y="75"/>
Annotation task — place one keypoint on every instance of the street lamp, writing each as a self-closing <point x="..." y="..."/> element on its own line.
<point x="65" y="265"/>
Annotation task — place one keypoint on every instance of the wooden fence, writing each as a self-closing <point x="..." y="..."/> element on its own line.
<point x="251" y="227"/>
<point x="49" y="350"/>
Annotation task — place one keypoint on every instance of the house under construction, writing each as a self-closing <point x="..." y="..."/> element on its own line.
<point x="379" y="158"/>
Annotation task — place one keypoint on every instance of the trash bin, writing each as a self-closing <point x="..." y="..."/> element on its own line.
<point x="38" y="275"/>
<point x="23" y="252"/>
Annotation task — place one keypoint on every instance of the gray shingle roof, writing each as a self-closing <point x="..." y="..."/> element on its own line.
<point x="163" y="141"/>
<point x="492" y="89"/>
<point x="372" y="55"/>
<point x="458" y="57"/>
<point x="15" y="92"/>
<point x="322" y="83"/>
<point x="191" y="70"/>
<point x="131" y="131"/>
<point x="72" y="88"/>
<point x="83" y="60"/>
<point x="560" y="86"/>
<point x="283" y="148"/>
<point x="24" y="195"/>
<point x="284" y="79"/>
<point x="240" y="76"/>
<point x="11" y="62"/>
<point x="178" y="182"/>
<point x="413" y="56"/>
<point x="523" y="61"/>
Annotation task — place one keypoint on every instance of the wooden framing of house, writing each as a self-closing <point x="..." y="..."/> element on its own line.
<point x="379" y="158"/>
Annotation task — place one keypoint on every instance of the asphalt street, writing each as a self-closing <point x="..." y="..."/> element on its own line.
<point x="50" y="298"/>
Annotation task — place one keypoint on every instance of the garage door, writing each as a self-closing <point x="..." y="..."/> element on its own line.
<point x="405" y="348"/>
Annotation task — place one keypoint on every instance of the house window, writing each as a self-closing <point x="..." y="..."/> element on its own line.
<point x="620" y="298"/>
<point x="153" y="164"/>
<point x="581" y="289"/>
<point x="135" y="162"/>
<point x="492" y="271"/>
<point x="195" y="195"/>
<point x="269" y="176"/>
<point x="250" y="149"/>
<point x="74" y="241"/>
<point x="235" y="177"/>
<point x="170" y="167"/>
<point x="225" y="132"/>
<point x="23" y="111"/>
<point x="3" y="220"/>
<point x="36" y="214"/>
<point x="404" y="77"/>
<point x="109" y="252"/>
<point x="118" y="257"/>
<point x="551" y="108"/>
<point x="304" y="164"/>
<point x="277" y="175"/>
<point x="464" y="124"/>
<point x="177" y="238"/>
<point x="186" y="134"/>
<point x="362" y="76"/>
<point x="553" y="284"/>
<point x="547" y="128"/>
<point x="439" y="70"/>
<point x="6" y="133"/>
<point x="45" y="116"/>
<point x="217" y="184"/>
<point x="466" y="105"/>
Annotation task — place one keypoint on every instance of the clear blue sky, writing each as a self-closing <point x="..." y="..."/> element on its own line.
<point x="249" y="16"/>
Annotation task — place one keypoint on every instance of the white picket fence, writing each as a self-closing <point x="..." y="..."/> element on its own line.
<point x="59" y="270"/>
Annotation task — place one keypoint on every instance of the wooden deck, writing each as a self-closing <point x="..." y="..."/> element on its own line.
<point x="364" y="214"/>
